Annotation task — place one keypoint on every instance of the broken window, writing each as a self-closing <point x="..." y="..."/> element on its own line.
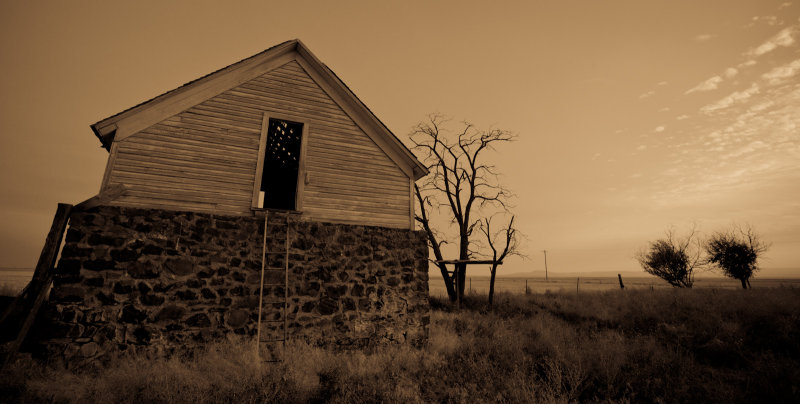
<point x="281" y="165"/>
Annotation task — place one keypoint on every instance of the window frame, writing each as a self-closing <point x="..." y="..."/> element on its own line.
<point x="302" y="176"/>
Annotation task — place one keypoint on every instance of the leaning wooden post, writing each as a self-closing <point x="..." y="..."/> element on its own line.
<point x="578" y="285"/>
<point x="42" y="275"/>
<point x="621" y="285"/>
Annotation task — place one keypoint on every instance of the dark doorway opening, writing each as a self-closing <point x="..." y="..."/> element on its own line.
<point x="281" y="164"/>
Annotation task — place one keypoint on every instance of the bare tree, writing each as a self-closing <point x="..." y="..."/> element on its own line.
<point x="736" y="252"/>
<point x="672" y="259"/>
<point x="460" y="183"/>
<point x="511" y="248"/>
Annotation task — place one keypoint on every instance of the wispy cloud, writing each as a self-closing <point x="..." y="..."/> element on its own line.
<point x="708" y="85"/>
<point x="646" y="95"/>
<point x="731" y="72"/>
<point x="659" y="129"/>
<point x="780" y="74"/>
<point x="784" y="5"/>
<point x="682" y="117"/>
<point x="704" y="37"/>
<point x="747" y="63"/>
<point x="731" y="99"/>
<point x="665" y="109"/>
<point x="746" y="147"/>
<point x="662" y="83"/>
<point x="783" y="38"/>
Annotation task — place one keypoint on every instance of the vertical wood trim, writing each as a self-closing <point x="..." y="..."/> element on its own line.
<point x="301" y="169"/>
<point x="262" y="145"/>
<point x="411" y="203"/>
<point x="112" y="157"/>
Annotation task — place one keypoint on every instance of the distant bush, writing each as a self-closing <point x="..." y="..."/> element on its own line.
<point x="736" y="253"/>
<point x="671" y="259"/>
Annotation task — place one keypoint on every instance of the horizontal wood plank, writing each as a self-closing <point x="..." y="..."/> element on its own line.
<point x="204" y="158"/>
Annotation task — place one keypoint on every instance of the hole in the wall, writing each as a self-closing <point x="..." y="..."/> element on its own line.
<point x="281" y="165"/>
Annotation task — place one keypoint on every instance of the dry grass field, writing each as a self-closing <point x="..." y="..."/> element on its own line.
<point x="661" y="345"/>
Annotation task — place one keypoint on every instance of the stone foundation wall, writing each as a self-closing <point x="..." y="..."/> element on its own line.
<point x="154" y="280"/>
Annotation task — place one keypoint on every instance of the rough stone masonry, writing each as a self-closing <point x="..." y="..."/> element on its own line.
<point x="159" y="281"/>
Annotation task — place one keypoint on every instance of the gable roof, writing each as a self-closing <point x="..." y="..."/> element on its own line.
<point x="123" y="124"/>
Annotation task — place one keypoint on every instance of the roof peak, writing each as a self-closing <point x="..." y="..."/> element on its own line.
<point x="132" y="120"/>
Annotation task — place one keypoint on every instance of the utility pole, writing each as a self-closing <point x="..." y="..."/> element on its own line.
<point x="545" y="265"/>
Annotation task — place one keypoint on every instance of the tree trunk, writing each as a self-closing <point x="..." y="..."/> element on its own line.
<point x="461" y="280"/>
<point x="463" y="254"/>
<point x="448" y="283"/>
<point x="744" y="283"/>
<point x="491" y="285"/>
<point x="749" y="286"/>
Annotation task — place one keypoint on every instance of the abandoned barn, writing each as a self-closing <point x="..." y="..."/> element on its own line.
<point x="264" y="199"/>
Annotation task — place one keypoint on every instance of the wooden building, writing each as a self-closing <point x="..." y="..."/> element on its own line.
<point x="264" y="200"/>
<point x="278" y="130"/>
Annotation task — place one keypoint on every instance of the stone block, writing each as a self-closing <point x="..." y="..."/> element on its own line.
<point x="208" y="294"/>
<point x="89" y="349"/>
<point x="123" y="287"/>
<point x="96" y="282"/>
<point x="66" y="279"/>
<point x="348" y="304"/>
<point x="74" y="235"/>
<point x="357" y="290"/>
<point x="143" y="270"/>
<point x="106" y="299"/>
<point x="124" y="255"/>
<point x="150" y="299"/>
<point x="68" y="267"/>
<point x="99" y="265"/>
<point x="170" y="313"/>
<point x="143" y="287"/>
<point x="132" y="315"/>
<point x="186" y="294"/>
<point x="67" y="293"/>
<point x="240" y="291"/>
<point x="179" y="266"/>
<point x="327" y="306"/>
<point x="198" y="320"/>
<point x="152" y="250"/>
<point x="237" y="318"/>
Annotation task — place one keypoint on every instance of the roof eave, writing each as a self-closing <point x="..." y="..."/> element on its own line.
<point x="418" y="169"/>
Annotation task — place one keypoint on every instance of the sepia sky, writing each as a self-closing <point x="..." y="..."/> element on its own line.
<point x="632" y="116"/>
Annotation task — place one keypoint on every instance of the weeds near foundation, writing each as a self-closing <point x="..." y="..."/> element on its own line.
<point x="666" y="345"/>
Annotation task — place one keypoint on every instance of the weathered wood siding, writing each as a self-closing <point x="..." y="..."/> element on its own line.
<point x="204" y="159"/>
